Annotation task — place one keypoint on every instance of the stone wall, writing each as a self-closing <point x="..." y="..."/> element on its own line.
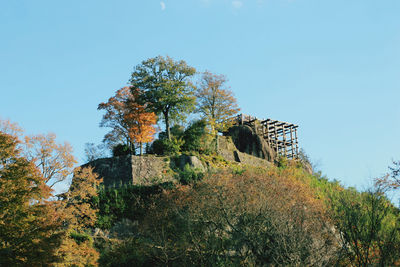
<point x="143" y="170"/>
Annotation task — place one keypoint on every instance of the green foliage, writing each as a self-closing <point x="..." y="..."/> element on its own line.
<point x="369" y="226"/>
<point x="127" y="201"/>
<point x="194" y="137"/>
<point x="190" y="175"/>
<point x="129" y="252"/>
<point x="237" y="169"/>
<point x="282" y="162"/>
<point x="166" y="146"/>
<point x="166" y="87"/>
<point x="121" y="150"/>
<point x="80" y="237"/>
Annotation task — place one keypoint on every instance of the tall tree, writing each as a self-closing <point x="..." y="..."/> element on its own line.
<point x="28" y="223"/>
<point x="129" y="118"/>
<point x="114" y="118"/>
<point x="54" y="160"/>
<point x="166" y="88"/>
<point x="141" y="122"/>
<point x="215" y="101"/>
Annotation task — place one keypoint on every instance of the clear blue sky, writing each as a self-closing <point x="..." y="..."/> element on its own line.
<point x="332" y="67"/>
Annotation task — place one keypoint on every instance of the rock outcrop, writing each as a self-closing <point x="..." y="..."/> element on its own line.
<point x="192" y="161"/>
<point x="247" y="140"/>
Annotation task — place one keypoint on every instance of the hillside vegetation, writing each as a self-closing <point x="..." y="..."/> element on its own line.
<point x="239" y="207"/>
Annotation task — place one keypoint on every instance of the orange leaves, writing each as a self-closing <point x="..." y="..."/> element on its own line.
<point x="78" y="210"/>
<point x="130" y="120"/>
<point x="27" y="221"/>
<point x="140" y="121"/>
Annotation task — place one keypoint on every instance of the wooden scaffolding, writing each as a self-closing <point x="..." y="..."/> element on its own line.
<point x="280" y="135"/>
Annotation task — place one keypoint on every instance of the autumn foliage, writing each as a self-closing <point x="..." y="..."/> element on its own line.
<point x="130" y="121"/>
<point x="79" y="217"/>
<point x="215" y="101"/>
<point x="55" y="161"/>
<point x="29" y="223"/>
<point x="141" y="122"/>
<point x="35" y="228"/>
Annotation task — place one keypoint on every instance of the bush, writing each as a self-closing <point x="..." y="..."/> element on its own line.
<point x="167" y="147"/>
<point x="190" y="175"/>
<point x="81" y="237"/>
<point x="122" y="150"/>
<point x="194" y="136"/>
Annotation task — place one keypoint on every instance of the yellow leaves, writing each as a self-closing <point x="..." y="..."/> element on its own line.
<point x="214" y="102"/>
<point x="55" y="161"/>
<point x="10" y="128"/>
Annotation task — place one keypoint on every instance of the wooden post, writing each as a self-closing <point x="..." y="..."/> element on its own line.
<point x="284" y="140"/>
<point x="276" y="139"/>
<point x="297" y="143"/>
<point x="291" y="140"/>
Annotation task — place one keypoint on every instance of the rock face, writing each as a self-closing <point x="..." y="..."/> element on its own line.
<point x="192" y="161"/>
<point x="228" y="150"/>
<point x="248" y="141"/>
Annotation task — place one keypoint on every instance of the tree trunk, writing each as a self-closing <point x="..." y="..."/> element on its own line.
<point x="216" y="143"/>
<point x="167" y="130"/>
<point x="141" y="149"/>
<point x="130" y="148"/>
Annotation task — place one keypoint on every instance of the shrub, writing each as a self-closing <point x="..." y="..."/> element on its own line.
<point x="167" y="147"/>
<point x="190" y="175"/>
<point x="194" y="136"/>
<point x="121" y="150"/>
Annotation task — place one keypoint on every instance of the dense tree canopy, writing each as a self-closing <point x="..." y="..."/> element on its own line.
<point x="28" y="222"/>
<point x="166" y="87"/>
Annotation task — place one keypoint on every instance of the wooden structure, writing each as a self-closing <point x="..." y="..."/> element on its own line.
<point x="280" y="135"/>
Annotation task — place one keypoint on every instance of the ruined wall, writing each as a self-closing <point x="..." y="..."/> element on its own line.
<point x="143" y="170"/>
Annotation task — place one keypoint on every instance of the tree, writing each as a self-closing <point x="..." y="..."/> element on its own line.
<point x="368" y="225"/>
<point x="166" y="88"/>
<point x="55" y="161"/>
<point x="140" y="121"/>
<point x="28" y="223"/>
<point x="93" y="152"/>
<point x="114" y="118"/>
<point x="80" y="215"/>
<point x="8" y="127"/>
<point x="130" y="120"/>
<point x="215" y="101"/>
